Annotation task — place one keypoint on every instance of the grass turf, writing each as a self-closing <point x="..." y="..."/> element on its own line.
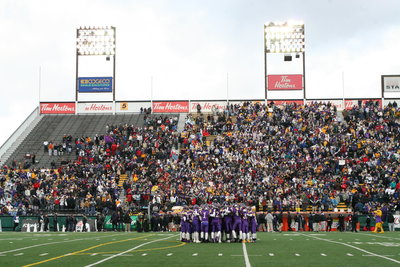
<point x="163" y="249"/>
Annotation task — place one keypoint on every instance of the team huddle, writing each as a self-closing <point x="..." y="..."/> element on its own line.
<point x="217" y="223"/>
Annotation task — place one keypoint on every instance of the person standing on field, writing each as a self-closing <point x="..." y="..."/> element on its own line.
<point x="127" y="221"/>
<point x="270" y="219"/>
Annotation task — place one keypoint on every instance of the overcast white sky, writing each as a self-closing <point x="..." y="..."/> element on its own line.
<point x="189" y="47"/>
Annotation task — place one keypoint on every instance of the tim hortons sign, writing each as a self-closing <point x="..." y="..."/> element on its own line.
<point x="57" y="108"/>
<point x="171" y="107"/>
<point x="285" y="82"/>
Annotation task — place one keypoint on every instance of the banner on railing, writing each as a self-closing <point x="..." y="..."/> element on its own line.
<point x="207" y="106"/>
<point x="285" y="102"/>
<point x="171" y="107"/>
<point x="100" y="107"/>
<point x="349" y="104"/>
<point x="57" y="108"/>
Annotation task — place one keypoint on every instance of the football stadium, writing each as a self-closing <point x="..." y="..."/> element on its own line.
<point x="279" y="174"/>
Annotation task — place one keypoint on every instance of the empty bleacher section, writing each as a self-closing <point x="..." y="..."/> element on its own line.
<point x="52" y="128"/>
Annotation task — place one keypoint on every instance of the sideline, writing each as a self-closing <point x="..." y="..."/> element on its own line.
<point x="51" y="243"/>
<point x="246" y="256"/>
<point x="126" y="251"/>
<point x="83" y="250"/>
<point x="357" y="248"/>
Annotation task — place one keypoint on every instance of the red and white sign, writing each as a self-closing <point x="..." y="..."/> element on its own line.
<point x="285" y="82"/>
<point x="285" y="102"/>
<point x="57" y="108"/>
<point x="337" y="103"/>
<point x="208" y="106"/>
<point x="95" y="107"/>
<point x="171" y="107"/>
<point x="351" y="103"/>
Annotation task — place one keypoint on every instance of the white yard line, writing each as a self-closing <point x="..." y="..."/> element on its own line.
<point x="44" y="254"/>
<point x="349" y="254"/>
<point x="357" y="248"/>
<point x="380" y="255"/>
<point x="246" y="256"/>
<point x="125" y="255"/>
<point x="271" y="254"/>
<point x="50" y="243"/>
<point x="126" y="251"/>
<point x="377" y="235"/>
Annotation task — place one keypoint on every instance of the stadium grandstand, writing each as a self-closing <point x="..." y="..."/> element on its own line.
<point x="281" y="158"/>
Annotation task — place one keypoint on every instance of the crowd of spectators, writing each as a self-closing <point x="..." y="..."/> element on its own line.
<point x="288" y="158"/>
<point x="277" y="158"/>
<point x="89" y="183"/>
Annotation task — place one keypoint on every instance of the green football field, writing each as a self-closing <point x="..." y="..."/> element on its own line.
<point x="164" y="250"/>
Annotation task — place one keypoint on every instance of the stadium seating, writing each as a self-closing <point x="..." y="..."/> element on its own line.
<point x="297" y="158"/>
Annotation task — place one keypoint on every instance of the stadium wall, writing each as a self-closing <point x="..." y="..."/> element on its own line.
<point x="185" y="106"/>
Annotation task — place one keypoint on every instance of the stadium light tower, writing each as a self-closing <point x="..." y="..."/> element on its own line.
<point x="96" y="41"/>
<point x="284" y="38"/>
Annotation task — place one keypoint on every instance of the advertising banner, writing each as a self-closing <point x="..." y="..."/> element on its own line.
<point x="91" y="225"/>
<point x="349" y="104"/>
<point x="131" y="107"/>
<point x="386" y="102"/>
<point x="108" y="224"/>
<point x="396" y="221"/>
<point x="285" y="82"/>
<point x="30" y="225"/>
<point x="207" y="106"/>
<point x="57" y="108"/>
<point x="95" y="84"/>
<point x="95" y="107"/>
<point x="171" y="107"/>
<point x="337" y="103"/>
<point x="391" y="84"/>
<point x="285" y="102"/>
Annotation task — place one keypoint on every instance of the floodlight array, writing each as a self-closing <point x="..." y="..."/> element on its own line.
<point x="96" y="41"/>
<point x="284" y="37"/>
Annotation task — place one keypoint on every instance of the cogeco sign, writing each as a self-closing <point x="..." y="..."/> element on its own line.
<point x="95" y="84"/>
<point x="171" y="107"/>
<point x="285" y="82"/>
<point x="57" y="108"/>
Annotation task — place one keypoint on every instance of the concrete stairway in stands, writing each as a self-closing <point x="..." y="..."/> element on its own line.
<point x="342" y="207"/>
<point x="122" y="196"/>
<point x="181" y="122"/>
<point x="122" y="179"/>
<point x="340" y="115"/>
